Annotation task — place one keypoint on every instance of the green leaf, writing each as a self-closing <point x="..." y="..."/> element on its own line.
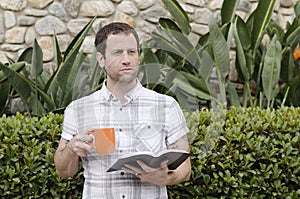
<point x="97" y="73"/>
<point x="36" y="71"/>
<point x="288" y="67"/>
<point x="26" y="55"/>
<point x="228" y="10"/>
<point x="25" y="87"/>
<point x="239" y="35"/>
<point x="186" y="86"/>
<point x="196" y="81"/>
<point x="294" y="37"/>
<point x="271" y="68"/>
<point x="58" y="54"/>
<point x="233" y="96"/>
<point x="164" y="43"/>
<point x="15" y="66"/>
<point x="178" y="14"/>
<point x="168" y="24"/>
<point x="71" y="81"/>
<point x="20" y="83"/>
<point x="59" y="80"/>
<point x="220" y="48"/>
<point x="150" y="67"/>
<point x="262" y="16"/>
<point x="275" y="29"/>
<point x="37" y="60"/>
<point x="4" y="94"/>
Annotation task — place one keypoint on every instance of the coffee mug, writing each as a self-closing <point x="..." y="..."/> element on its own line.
<point x="104" y="139"/>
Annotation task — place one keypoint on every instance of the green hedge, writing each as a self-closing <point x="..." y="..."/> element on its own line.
<point x="244" y="153"/>
<point x="236" y="153"/>
<point x="27" y="147"/>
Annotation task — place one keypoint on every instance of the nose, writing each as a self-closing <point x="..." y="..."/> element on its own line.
<point x="125" y="59"/>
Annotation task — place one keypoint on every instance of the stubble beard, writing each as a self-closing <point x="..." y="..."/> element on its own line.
<point x="124" y="79"/>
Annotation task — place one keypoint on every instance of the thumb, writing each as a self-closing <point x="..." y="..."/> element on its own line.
<point x="164" y="164"/>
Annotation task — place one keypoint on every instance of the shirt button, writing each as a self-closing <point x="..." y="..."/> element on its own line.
<point x="122" y="173"/>
<point x="121" y="109"/>
<point x="120" y="130"/>
<point x="123" y="196"/>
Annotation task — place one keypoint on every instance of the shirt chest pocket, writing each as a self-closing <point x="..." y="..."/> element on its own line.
<point x="141" y="137"/>
<point x="149" y="137"/>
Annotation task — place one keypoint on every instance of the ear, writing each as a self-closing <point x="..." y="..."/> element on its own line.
<point x="101" y="59"/>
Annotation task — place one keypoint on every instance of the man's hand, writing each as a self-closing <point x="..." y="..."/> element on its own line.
<point x="159" y="176"/>
<point x="81" y="143"/>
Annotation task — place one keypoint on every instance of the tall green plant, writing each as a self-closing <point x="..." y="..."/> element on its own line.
<point x="290" y="70"/>
<point x="5" y="86"/>
<point x="185" y="68"/>
<point x="41" y="93"/>
<point x="268" y="65"/>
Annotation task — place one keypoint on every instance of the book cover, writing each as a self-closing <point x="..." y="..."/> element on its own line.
<point x="175" y="157"/>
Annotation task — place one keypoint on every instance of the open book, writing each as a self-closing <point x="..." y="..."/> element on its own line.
<point x="175" y="157"/>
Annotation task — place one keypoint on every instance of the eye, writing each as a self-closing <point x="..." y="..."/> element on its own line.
<point x="132" y="51"/>
<point x="117" y="52"/>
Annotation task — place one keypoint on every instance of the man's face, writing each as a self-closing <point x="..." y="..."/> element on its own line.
<point x="121" y="59"/>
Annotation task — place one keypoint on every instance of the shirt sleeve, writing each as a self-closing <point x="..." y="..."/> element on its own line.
<point x="69" y="129"/>
<point x="175" y="123"/>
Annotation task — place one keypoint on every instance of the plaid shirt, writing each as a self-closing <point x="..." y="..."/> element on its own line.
<point x="149" y="121"/>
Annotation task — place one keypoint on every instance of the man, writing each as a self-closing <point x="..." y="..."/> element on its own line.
<point x="143" y="121"/>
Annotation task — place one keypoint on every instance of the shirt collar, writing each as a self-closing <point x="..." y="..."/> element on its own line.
<point x="131" y="95"/>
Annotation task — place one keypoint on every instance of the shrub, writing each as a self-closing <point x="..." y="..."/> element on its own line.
<point x="252" y="153"/>
<point x="27" y="147"/>
<point x="236" y="153"/>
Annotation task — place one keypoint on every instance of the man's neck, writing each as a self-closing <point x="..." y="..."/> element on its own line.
<point x="120" y="89"/>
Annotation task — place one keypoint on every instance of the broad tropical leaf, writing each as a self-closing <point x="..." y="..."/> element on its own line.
<point x="150" y="67"/>
<point x="240" y="56"/>
<point x="168" y="24"/>
<point x="95" y="72"/>
<point x="288" y="67"/>
<point x="186" y="86"/>
<point x="271" y="69"/>
<point x="15" y="67"/>
<point x="4" y="94"/>
<point x="262" y="16"/>
<point x="178" y="14"/>
<point x="228" y="10"/>
<point x="25" y="87"/>
<point x="37" y="60"/>
<point x="66" y="94"/>
<point x="60" y="77"/>
<point x="233" y="96"/>
<point x="58" y="54"/>
<point x="220" y="48"/>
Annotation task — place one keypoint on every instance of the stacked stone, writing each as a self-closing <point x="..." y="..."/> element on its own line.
<point x="22" y="21"/>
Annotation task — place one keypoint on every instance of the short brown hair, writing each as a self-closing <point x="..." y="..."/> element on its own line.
<point x="113" y="28"/>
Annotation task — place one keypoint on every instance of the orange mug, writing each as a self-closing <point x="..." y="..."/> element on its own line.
<point x="104" y="140"/>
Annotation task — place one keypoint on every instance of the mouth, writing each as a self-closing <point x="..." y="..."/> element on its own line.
<point x="126" y="69"/>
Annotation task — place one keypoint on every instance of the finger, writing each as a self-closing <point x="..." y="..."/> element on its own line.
<point x="133" y="169"/>
<point x="133" y="172"/>
<point x="87" y="146"/>
<point x="145" y="167"/>
<point x="87" y="138"/>
<point x="129" y="170"/>
<point x="80" y="147"/>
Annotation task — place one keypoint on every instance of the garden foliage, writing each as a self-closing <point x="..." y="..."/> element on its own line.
<point x="236" y="153"/>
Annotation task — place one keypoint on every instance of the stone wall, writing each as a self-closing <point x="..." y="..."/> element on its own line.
<point x="21" y="21"/>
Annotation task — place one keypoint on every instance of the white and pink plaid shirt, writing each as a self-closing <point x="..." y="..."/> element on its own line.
<point x="149" y="121"/>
